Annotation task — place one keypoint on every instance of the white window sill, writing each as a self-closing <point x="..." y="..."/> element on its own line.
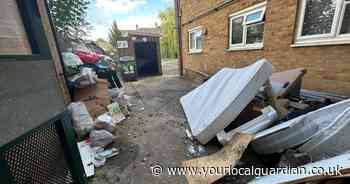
<point x="243" y="48"/>
<point x="320" y="43"/>
<point x="196" y="51"/>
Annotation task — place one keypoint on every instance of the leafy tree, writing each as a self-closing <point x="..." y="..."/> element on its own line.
<point x="168" y="42"/>
<point x="105" y="45"/>
<point x="69" y="18"/>
<point x="114" y="34"/>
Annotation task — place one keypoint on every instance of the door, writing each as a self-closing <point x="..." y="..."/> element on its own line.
<point x="146" y="58"/>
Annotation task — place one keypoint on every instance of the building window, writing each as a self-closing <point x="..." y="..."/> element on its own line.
<point x="196" y="40"/>
<point x="247" y="28"/>
<point x="323" y="22"/>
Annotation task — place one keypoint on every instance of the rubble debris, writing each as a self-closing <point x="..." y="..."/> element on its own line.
<point x="296" y="113"/>
<point x="196" y="150"/>
<point x="252" y="127"/>
<point x="298" y="105"/>
<point x="332" y="140"/>
<point x="82" y="121"/>
<point x="322" y="96"/>
<point x="279" y="105"/>
<point x="287" y="82"/>
<point x="87" y="157"/>
<point x="341" y="162"/>
<point x="293" y="159"/>
<point x="217" y="102"/>
<point x="298" y="130"/>
<point x="100" y="138"/>
<point x="226" y="157"/>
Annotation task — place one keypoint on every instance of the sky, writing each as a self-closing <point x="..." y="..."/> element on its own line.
<point x="127" y="13"/>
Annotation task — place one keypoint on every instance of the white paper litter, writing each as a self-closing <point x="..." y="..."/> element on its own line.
<point x="87" y="157"/>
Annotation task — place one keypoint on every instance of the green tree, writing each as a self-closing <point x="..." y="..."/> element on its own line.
<point x="69" y="18"/>
<point x="114" y="34"/>
<point x="105" y="45"/>
<point x="168" y="42"/>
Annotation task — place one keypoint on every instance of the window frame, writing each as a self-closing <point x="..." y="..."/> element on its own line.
<point x="195" y="49"/>
<point x="345" y="3"/>
<point x="332" y="38"/>
<point x="244" y="13"/>
<point x="34" y="29"/>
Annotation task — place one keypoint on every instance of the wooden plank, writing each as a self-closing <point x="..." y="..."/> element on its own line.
<point x="276" y="104"/>
<point x="226" y="157"/>
<point x="54" y="49"/>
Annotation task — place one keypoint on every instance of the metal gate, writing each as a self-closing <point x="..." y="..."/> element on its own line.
<point x="46" y="155"/>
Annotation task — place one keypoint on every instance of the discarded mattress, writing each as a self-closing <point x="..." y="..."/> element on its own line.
<point x="217" y="102"/>
<point x="298" y="130"/>
<point x="332" y="141"/>
<point x="252" y="127"/>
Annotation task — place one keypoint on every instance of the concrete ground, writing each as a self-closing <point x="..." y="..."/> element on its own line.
<point x="154" y="134"/>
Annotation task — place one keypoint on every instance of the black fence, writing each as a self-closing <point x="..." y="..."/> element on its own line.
<point x="46" y="155"/>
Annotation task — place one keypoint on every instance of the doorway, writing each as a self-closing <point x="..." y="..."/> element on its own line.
<point x="146" y="58"/>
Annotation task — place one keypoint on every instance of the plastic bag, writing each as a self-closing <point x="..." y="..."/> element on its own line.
<point x="82" y="121"/>
<point x="100" y="138"/>
<point x="86" y="77"/>
<point x="105" y="121"/>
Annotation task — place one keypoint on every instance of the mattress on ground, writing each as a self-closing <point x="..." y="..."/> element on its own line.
<point x="216" y="103"/>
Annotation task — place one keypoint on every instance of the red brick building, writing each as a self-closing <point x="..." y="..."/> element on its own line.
<point x="314" y="34"/>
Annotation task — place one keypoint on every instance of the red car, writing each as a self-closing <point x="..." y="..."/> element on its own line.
<point x="86" y="55"/>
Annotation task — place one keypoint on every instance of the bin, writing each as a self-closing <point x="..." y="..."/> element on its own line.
<point x="128" y="68"/>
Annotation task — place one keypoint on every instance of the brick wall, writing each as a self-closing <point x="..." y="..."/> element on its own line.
<point x="328" y="66"/>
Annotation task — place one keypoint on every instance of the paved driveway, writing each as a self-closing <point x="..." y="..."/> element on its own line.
<point x="154" y="134"/>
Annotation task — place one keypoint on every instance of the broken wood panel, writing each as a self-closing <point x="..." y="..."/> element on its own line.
<point x="13" y="38"/>
<point x="226" y="157"/>
<point x="53" y="49"/>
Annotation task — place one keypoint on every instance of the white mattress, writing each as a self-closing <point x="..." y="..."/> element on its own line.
<point x="216" y="103"/>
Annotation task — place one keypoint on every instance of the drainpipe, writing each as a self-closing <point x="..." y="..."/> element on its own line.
<point x="179" y="35"/>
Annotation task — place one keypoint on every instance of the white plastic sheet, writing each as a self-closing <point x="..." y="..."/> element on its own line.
<point x="216" y="103"/>
<point x="301" y="129"/>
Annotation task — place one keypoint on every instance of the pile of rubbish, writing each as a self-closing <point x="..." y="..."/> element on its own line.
<point x="98" y="107"/>
<point x="95" y="116"/>
<point x="269" y="113"/>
